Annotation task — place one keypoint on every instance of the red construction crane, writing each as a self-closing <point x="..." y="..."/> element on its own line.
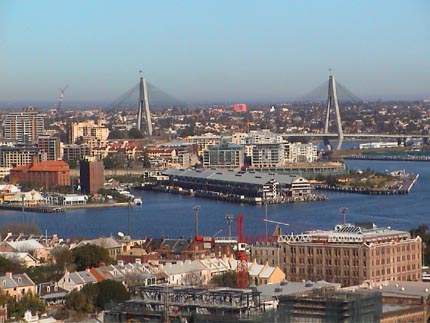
<point x="242" y="258"/>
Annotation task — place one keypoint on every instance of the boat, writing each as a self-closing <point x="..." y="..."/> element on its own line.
<point x="137" y="201"/>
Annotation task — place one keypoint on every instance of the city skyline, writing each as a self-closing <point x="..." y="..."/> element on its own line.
<point x="212" y="52"/>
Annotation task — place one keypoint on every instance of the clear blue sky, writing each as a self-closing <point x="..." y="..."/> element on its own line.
<point x="213" y="50"/>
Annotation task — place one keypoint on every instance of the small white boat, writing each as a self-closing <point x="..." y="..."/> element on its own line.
<point x="137" y="201"/>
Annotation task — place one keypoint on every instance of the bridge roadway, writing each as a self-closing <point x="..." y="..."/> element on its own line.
<point x="355" y="135"/>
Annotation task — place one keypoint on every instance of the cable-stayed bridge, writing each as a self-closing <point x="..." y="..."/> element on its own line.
<point x="145" y="94"/>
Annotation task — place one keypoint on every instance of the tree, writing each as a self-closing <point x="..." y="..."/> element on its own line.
<point x="7" y="265"/>
<point x="422" y="231"/>
<point x="63" y="257"/>
<point x="96" y="296"/>
<point x="227" y="279"/>
<point x="78" y="301"/>
<point x="110" y="291"/>
<point x="135" y="133"/>
<point x="27" y="302"/>
<point x="146" y="162"/>
<point x="89" y="255"/>
<point x="117" y="134"/>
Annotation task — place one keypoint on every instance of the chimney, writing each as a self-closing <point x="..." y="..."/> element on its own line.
<point x="138" y="261"/>
<point x="8" y="275"/>
<point x="120" y="262"/>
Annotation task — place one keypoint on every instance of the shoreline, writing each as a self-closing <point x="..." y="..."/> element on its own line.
<point x="63" y="208"/>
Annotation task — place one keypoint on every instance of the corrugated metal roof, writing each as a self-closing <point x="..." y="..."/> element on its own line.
<point x="230" y="175"/>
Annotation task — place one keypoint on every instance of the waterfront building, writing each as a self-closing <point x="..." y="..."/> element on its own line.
<point x="88" y="132"/>
<point x="48" y="174"/>
<point x="91" y="174"/>
<point x="76" y="152"/>
<point x="224" y="156"/>
<point x="23" y="127"/>
<point x="50" y="145"/>
<point x="268" y="155"/>
<point x="349" y="254"/>
<point x="263" y="186"/>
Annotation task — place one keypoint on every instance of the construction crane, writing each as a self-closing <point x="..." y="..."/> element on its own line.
<point x="242" y="258"/>
<point x="61" y="96"/>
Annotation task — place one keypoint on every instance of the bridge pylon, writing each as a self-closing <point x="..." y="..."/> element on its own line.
<point x="332" y="104"/>
<point x="144" y="108"/>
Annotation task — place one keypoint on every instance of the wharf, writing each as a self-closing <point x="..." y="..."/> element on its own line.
<point x="60" y="208"/>
<point x="235" y="198"/>
<point x="414" y="158"/>
<point x="404" y="187"/>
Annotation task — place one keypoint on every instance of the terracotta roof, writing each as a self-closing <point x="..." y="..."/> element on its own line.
<point x="44" y="166"/>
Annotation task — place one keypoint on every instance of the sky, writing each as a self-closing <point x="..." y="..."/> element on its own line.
<point x="218" y="50"/>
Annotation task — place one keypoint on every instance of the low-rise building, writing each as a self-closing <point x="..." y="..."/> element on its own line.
<point x="16" y="285"/>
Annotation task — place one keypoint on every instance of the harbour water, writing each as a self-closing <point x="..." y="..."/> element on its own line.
<point x="172" y="215"/>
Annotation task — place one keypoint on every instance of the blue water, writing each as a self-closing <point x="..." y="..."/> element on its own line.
<point x="172" y="215"/>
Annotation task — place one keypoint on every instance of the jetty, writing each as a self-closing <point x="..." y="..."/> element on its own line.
<point x="61" y="208"/>
<point x="404" y="186"/>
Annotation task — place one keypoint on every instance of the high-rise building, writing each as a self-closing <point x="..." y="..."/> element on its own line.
<point x="24" y="127"/>
<point x="49" y="145"/>
<point x="91" y="176"/>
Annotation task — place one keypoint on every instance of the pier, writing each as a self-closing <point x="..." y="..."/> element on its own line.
<point x="404" y="187"/>
<point x="61" y="208"/>
<point x="414" y="158"/>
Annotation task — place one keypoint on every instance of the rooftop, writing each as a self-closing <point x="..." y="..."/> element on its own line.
<point x="230" y="175"/>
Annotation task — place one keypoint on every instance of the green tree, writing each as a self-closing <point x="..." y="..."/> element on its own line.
<point x="423" y="232"/>
<point x="78" y="301"/>
<point x="146" y="162"/>
<point x="117" y="134"/>
<point x="110" y="291"/>
<point x="7" y="265"/>
<point x="227" y="279"/>
<point x="88" y="256"/>
<point x="27" y="302"/>
<point x="135" y="133"/>
<point x="63" y="257"/>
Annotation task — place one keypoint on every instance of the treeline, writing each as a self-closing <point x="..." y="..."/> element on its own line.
<point x="423" y="232"/>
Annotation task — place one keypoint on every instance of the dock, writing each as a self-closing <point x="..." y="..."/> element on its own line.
<point x="404" y="187"/>
<point x="61" y="208"/>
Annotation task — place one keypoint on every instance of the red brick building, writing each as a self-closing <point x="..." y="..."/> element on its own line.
<point x="45" y="174"/>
